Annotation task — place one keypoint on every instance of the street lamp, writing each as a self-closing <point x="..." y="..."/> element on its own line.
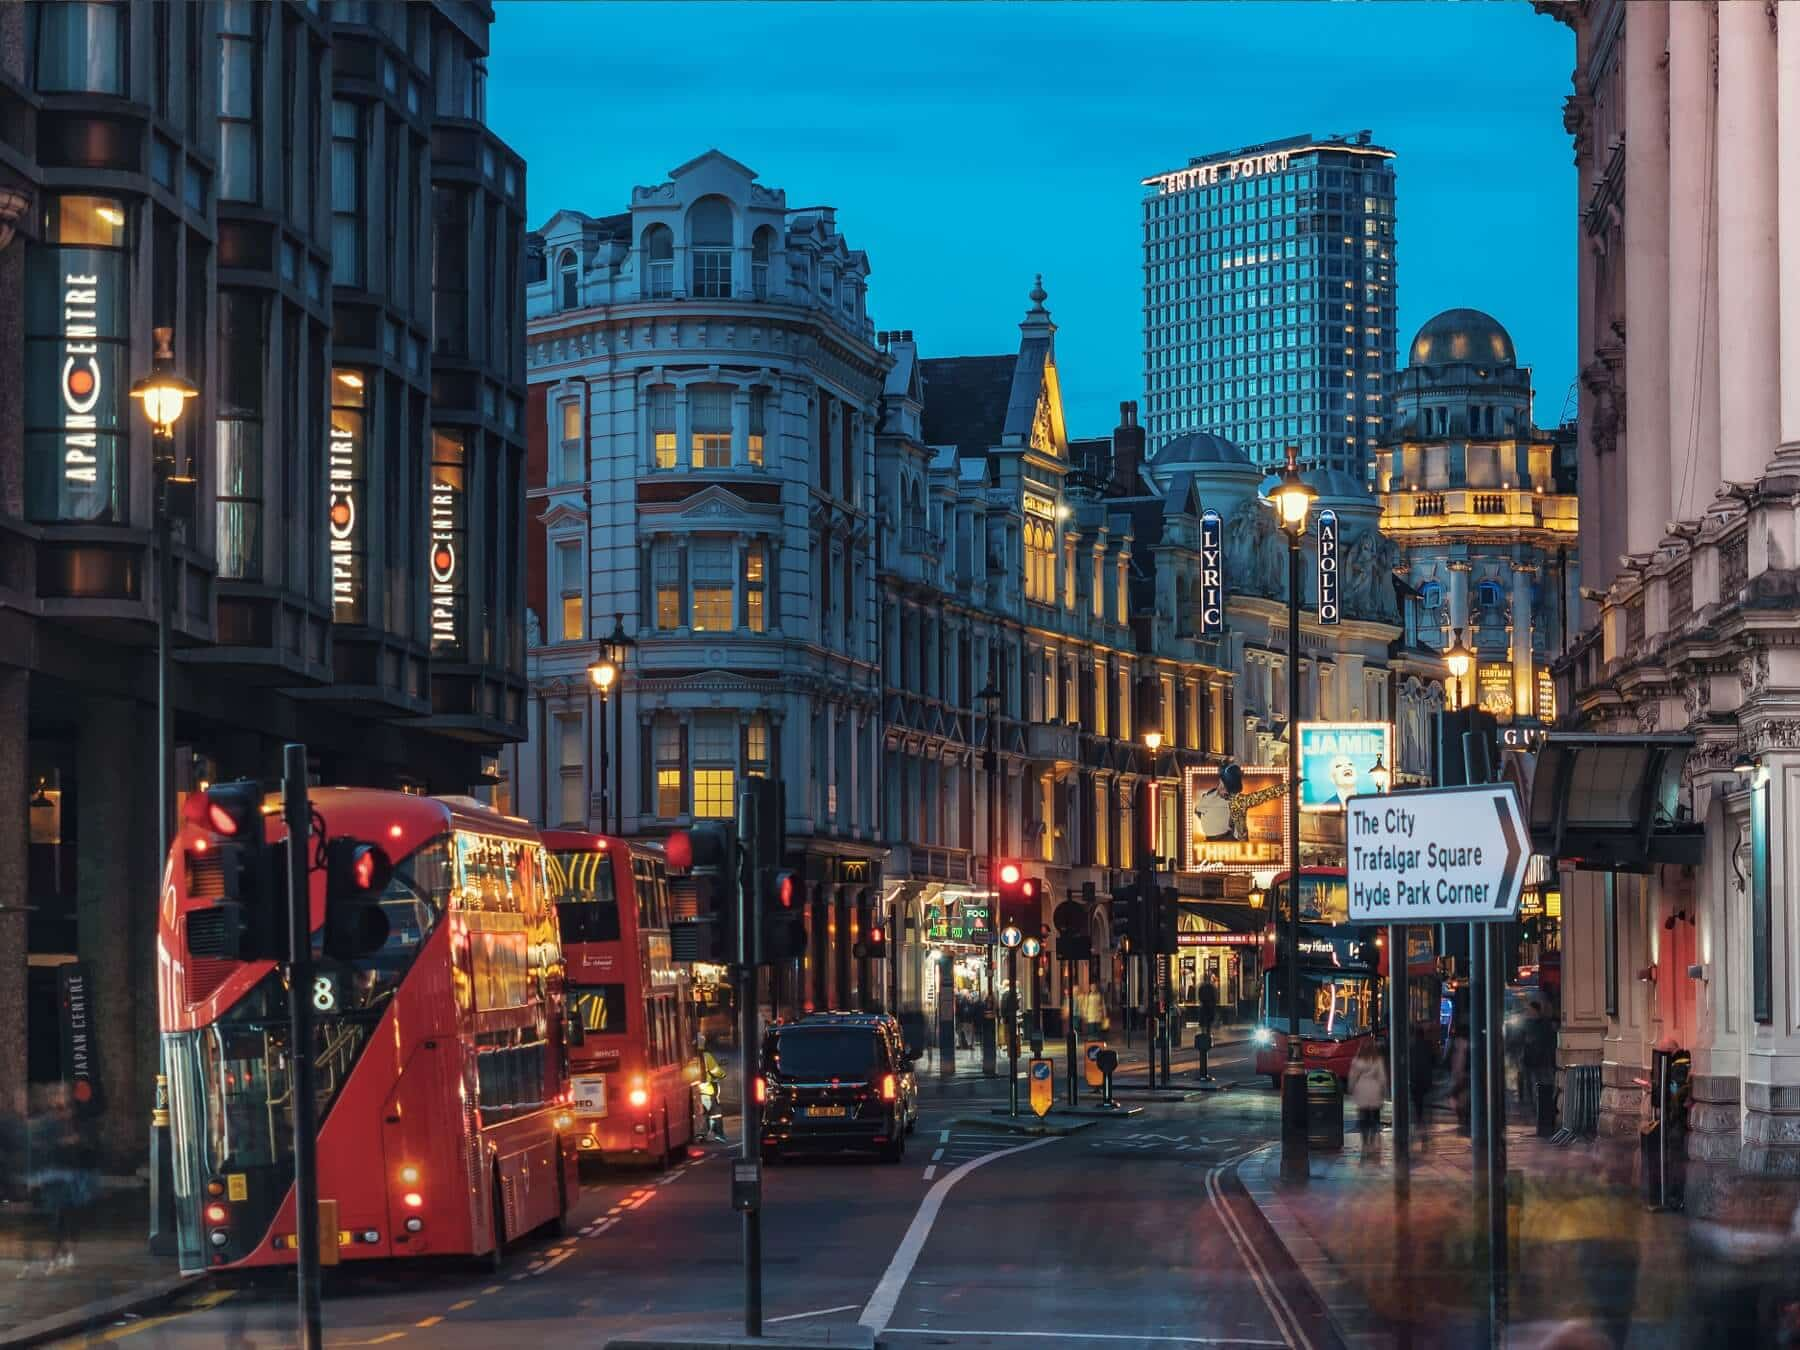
<point x="163" y="394"/>
<point x="618" y="649"/>
<point x="1457" y="657"/>
<point x="1155" y="963"/>
<point x="602" y="675"/>
<point x="1380" y="775"/>
<point x="989" y="697"/>
<point x="1292" y="499"/>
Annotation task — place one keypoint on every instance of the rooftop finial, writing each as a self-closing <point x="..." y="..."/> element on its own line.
<point x="1038" y="295"/>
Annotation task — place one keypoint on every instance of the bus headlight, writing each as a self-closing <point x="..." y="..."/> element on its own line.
<point x="1262" y="1036"/>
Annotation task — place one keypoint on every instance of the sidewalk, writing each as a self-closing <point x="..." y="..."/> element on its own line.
<point x="1584" y="1247"/>
<point x="113" y="1273"/>
<point x="968" y="1080"/>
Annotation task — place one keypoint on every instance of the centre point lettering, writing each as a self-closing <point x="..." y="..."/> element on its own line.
<point x="1203" y="175"/>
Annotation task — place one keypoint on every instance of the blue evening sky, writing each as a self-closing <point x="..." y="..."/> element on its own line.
<point x="968" y="146"/>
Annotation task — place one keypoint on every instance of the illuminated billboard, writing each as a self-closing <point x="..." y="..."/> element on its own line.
<point x="1235" y="818"/>
<point x="1336" y="759"/>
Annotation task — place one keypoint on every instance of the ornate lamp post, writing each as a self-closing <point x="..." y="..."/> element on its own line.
<point x="1292" y="499"/>
<point x="1458" y="658"/>
<point x="602" y="675"/>
<point x="163" y="394"/>
<point x="618" y="649"/>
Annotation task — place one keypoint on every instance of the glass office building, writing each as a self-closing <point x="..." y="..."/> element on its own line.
<point x="1269" y="299"/>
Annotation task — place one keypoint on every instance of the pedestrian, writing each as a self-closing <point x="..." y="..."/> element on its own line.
<point x="1093" y="1011"/>
<point x="1421" y="1067"/>
<point x="712" y="1080"/>
<point x="1459" y="1075"/>
<point x="1368" y="1086"/>
<point x="1209" y="1004"/>
<point x="1537" y="1055"/>
<point x="63" y="1175"/>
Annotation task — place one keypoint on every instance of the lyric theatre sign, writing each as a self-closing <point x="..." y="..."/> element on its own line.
<point x="1204" y="175"/>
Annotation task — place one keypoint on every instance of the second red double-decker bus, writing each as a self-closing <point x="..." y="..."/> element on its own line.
<point x="440" y="1088"/>
<point x="632" y="1076"/>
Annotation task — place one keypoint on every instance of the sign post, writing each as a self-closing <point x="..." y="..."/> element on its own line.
<point x="1043" y="1087"/>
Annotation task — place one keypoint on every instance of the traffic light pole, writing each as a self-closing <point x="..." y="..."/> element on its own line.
<point x="1069" y="1040"/>
<point x="297" y="813"/>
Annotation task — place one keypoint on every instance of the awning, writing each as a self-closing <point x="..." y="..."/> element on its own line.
<point x="1232" y="918"/>
<point x="1612" y="803"/>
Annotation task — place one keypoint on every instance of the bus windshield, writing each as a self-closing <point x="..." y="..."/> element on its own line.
<point x="587" y="900"/>
<point x="1333" y="1006"/>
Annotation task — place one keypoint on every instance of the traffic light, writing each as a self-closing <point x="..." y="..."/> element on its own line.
<point x="1168" y="922"/>
<point x="1018" y="898"/>
<point x="356" y="874"/>
<point x="233" y="864"/>
<point x="1531" y="930"/>
<point x="708" y="854"/>
<point x="784" y="920"/>
<point x="1127" y="933"/>
<point x="873" y="946"/>
<point x="1071" y="919"/>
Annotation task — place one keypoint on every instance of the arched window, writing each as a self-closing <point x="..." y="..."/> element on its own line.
<point x="659" y="262"/>
<point x="709" y="249"/>
<point x="762" y="250"/>
<point x="569" y="272"/>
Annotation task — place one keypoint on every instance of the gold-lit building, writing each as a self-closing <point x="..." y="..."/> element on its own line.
<point x="1482" y="505"/>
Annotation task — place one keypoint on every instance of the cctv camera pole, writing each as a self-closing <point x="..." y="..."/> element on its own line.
<point x="297" y="814"/>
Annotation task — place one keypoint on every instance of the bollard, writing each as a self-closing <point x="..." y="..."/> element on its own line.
<point x="1203" y="1048"/>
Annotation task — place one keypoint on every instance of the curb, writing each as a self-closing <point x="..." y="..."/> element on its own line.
<point x="1349" y="1314"/>
<point x="1022" y="1126"/>
<point x="145" y="1297"/>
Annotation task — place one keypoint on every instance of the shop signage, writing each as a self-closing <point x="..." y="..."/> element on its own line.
<point x="1336" y="760"/>
<point x="81" y="1065"/>
<point x="855" y="871"/>
<point x="344" y="527"/>
<point x="1236" y="822"/>
<point x="445" y="561"/>
<point x="76" y="300"/>
<point x="970" y="921"/>
<point x="1212" y="574"/>
<point x="1328" y="567"/>
<point x="1218" y="939"/>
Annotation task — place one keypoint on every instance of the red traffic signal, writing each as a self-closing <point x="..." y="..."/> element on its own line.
<point x="356" y="874"/>
<point x="1010" y="873"/>
<point x="678" y="851"/>
<point x="787" y="892"/>
<point x="1018" y="896"/>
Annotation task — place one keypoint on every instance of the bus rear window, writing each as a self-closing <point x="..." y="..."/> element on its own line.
<point x="601" y="1007"/>
<point x="587" y="902"/>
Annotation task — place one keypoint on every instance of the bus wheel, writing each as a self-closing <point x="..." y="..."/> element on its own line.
<point x="498" y="1228"/>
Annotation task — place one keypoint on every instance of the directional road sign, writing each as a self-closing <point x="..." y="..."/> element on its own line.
<point x="1438" y="855"/>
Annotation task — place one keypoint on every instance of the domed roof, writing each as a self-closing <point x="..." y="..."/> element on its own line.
<point x="1462" y="335"/>
<point x="1197" y="447"/>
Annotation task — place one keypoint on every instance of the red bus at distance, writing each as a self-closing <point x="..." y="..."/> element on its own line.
<point x="631" y="1078"/>
<point x="1343" y="978"/>
<point x="441" y="1097"/>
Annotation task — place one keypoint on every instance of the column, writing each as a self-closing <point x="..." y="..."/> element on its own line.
<point x="1749" y="345"/>
<point x="684" y="454"/>
<point x="1646" y="279"/>
<point x="15" y="794"/>
<point x="740" y="429"/>
<point x="1787" y="84"/>
<point x="1524" y="662"/>
<point x="1693" y="274"/>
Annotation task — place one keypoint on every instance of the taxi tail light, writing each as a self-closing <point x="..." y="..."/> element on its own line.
<point x="890" y="1087"/>
<point x="762" y="1090"/>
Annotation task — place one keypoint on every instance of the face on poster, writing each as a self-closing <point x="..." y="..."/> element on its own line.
<point x="1336" y="759"/>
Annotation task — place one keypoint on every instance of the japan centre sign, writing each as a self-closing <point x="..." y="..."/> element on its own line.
<point x="1438" y="855"/>
<point x="1212" y="574"/>
<point x="1337" y="761"/>
<point x="1328" y="567"/>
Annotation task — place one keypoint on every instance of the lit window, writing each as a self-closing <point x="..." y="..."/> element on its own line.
<point x="662" y="425"/>
<point x="759" y="400"/>
<point x="756" y="746"/>
<point x="709" y="410"/>
<point x="668" y="769"/>
<point x="714" y="793"/>
<point x="569" y="583"/>
<point x="572" y="467"/>
<point x="666" y="570"/>
<point x="711" y="564"/>
<point x="755" y="617"/>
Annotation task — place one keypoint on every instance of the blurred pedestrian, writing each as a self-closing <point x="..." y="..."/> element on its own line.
<point x="1537" y="1055"/>
<point x="63" y="1179"/>
<point x="1368" y="1086"/>
<point x="1459" y="1075"/>
<point x="1421" y="1067"/>
<point x="1093" y="1011"/>
<point x="1209" y="1004"/>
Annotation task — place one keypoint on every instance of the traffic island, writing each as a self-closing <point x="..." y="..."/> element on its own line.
<point x="852" y="1335"/>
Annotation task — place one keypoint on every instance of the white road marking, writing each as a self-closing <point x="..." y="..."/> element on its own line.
<point x="930" y="1172"/>
<point x="937" y="1155"/>
<point x="1082" y="1336"/>
<point x="1285" y="1321"/>
<point x="882" y="1302"/>
<point x="944" y="1137"/>
<point x="820" y="1312"/>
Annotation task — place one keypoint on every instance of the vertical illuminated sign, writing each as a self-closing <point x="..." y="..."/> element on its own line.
<point x="1328" y="567"/>
<point x="346" y="537"/>
<point x="444" y="561"/>
<point x="1212" y="574"/>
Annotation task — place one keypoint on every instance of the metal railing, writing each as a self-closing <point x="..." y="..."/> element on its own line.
<point x="1580" y="1104"/>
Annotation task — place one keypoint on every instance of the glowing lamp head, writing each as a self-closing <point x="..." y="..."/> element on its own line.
<point x="1457" y="657"/>
<point x="1292" y="498"/>
<point x="1380" y="775"/>
<point x="1153" y="741"/>
<point x="163" y="392"/>
<point x="602" y="674"/>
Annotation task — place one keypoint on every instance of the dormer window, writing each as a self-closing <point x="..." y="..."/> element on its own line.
<point x="568" y="271"/>
<point x="659" y="262"/>
<point x="762" y="247"/>
<point x="709" y="248"/>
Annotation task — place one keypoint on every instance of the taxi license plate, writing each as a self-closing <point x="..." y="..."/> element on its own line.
<point x="824" y="1110"/>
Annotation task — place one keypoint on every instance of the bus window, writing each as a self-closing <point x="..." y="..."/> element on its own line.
<point x="601" y="1007"/>
<point x="587" y="906"/>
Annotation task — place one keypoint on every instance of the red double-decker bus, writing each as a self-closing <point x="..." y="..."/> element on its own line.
<point x="441" y="1093"/>
<point x="632" y="1077"/>
<point x="1344" y="998"/>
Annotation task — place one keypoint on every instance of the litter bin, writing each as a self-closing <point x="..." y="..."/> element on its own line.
<point x="1324" y="1110"/>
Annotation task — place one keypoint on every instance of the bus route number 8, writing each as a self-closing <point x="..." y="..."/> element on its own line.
<point x="324" y="994"/>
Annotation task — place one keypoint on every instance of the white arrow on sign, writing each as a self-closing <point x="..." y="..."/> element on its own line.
<point x="1438" y="855"/>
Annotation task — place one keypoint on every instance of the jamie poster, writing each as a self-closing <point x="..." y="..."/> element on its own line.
<point x="1337" y="760"/>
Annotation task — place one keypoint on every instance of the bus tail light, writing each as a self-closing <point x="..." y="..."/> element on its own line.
<point x="215" y="1214"/>
<point x="639" y="1097"/>
<point x="890" y="1087"/>
<point x="564" y="1120"/>
<point x="412" y="1200"/>
<point x="409" y="1175"/>
<point x="762" y="1090"/>
<point x="215" y="1188"/>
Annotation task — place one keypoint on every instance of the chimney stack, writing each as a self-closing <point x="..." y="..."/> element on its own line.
<point x="1128" y="452"/>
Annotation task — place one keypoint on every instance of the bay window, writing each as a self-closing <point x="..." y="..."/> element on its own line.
<point x="668" y="737"/>
<point x="347" y="202"/>
<point x="759" y="404"/>
<point x="243" y="349"/>
<point x="715" y="766"/>
<point x="709" y="412"/>
<point x="240" y="80"/>
<point x="711" y="567"/>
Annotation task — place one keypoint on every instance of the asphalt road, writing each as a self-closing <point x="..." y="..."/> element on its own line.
<point x="1129" y="1234"/>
